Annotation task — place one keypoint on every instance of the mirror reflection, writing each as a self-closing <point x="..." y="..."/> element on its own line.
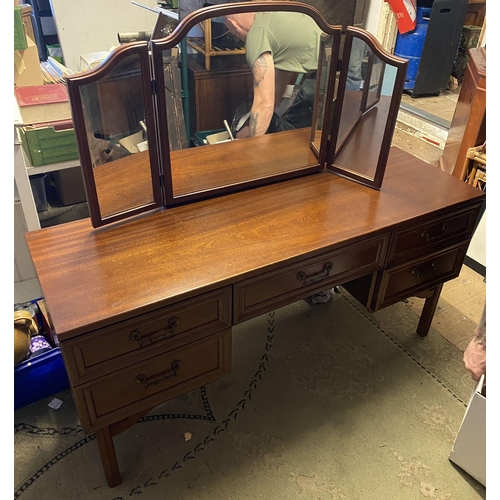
<point x="115" y="123"/>
<point x="252" y="78"/>
<point x="365" y="110"/>
<point x="322" y="89"/>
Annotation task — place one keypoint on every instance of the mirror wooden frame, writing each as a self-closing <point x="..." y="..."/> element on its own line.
<point x="160" y="155"/>
<point x="74" y="85"/>
<point x="157" y="48"/>
<point x="390" y="123"/>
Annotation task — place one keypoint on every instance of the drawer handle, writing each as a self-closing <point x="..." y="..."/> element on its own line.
<point x="137" y="337"/>
<point x="429" y="238"/>
<point x="418" y="274"/>
<point x="307" y="280"/>
<point x="142" y="379"/>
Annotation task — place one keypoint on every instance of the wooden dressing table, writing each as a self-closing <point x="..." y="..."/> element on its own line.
<point x="182" y="245"/>
<point x="143" y="308"/>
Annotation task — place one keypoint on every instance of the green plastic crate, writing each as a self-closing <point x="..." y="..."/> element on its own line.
<point x="45" y="145"/>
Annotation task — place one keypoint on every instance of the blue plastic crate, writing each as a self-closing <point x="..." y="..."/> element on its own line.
<point x="39" y="377"/>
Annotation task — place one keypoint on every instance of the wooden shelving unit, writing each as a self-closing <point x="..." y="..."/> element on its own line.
<point x="204" y="45"/>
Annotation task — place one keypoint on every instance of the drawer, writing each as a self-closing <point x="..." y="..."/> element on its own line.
<point x="432" y="235"/>
<point x="277" y="288"/>
<point x="144" y="385"/>
<point x="400" y="282"/>
<point x="111" y="348"/>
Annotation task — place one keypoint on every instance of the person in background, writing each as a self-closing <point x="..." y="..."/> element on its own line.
<point x="279" y="46"/>
<point x="475" y="354"/>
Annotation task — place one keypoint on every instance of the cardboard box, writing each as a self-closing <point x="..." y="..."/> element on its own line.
<point x="69" y="185"/>
<point x="45" y="145"/>
<point x="27" y="66"/>
<point x="469" y="450"/>
<point x="27" y="21"/>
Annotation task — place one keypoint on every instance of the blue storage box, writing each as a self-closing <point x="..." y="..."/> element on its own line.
<point x="39" y="377"/>
<point x="44" y="374"/>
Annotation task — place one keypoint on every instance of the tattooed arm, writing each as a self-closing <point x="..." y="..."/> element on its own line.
<point x="475" y="354"/>
<point x="263" y="95"/>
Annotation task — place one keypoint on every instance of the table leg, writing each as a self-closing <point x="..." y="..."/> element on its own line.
<point x="108" y="456"/>
<point x="428" y="311"/>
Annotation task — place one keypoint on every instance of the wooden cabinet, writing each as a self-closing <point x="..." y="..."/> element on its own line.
<point x="468" y="127"/>
<point x="215" y="94"/>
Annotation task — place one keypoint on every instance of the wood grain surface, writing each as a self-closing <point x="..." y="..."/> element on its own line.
<point x="94" y="277"/>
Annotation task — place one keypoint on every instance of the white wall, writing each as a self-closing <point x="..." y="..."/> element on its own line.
<point x="84" y="27"/>
<point x="477" y="247"/>
<point x="372" y="16"/>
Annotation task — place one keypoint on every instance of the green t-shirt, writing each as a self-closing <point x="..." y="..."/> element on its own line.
<point x="292" y="38"/>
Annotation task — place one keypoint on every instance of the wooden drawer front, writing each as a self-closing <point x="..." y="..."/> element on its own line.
<point x="149" y="383"/>
<point x="404" y="281"/>
<point x="277" y="288"/>
<point x="111" y="348"/>
<point x="433" y="235"/>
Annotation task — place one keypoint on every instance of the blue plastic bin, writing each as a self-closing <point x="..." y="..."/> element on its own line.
<point x="39" y="377"/>
<point x="410" y="45"/>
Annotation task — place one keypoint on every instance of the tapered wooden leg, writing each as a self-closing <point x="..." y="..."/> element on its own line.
<point x="428" y="311"/>
<point x="108" y="457"/>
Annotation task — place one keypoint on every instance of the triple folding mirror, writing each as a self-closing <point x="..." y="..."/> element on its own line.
<point x="167" y="122"/>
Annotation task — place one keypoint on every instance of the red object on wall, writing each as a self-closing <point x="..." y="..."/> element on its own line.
<point x="406" y="14"/>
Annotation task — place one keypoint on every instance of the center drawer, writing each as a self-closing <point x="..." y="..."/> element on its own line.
<point x="111" y="348"/>
<point x="277" y="288"/>
<point x="144" y="385"/>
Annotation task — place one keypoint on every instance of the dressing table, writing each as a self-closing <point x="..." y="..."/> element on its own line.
<point x="143" y="301"/>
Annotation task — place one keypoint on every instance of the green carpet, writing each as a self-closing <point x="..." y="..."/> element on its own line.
<point x="323" y="402"/>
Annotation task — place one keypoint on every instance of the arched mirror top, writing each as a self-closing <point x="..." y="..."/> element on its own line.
<point x="222" y="10"/>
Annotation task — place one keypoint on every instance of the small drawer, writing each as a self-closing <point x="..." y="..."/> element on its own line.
<point x="432" y="235"/>
<point x="277" y="288"/>
<point x="144" y="385"/>
<point x="404" y="281"/>
<point x="111" y="348"/>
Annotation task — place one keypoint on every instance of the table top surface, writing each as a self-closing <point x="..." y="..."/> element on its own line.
<point x="91" y="278"/>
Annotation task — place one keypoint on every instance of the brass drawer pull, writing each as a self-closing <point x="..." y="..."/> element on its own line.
<point x="136" y="335"/>
<point x="141" y="378"/>
<point x="429" y="238"/>
<point x="307" y="280"/>
<point x="418" y="274"/>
